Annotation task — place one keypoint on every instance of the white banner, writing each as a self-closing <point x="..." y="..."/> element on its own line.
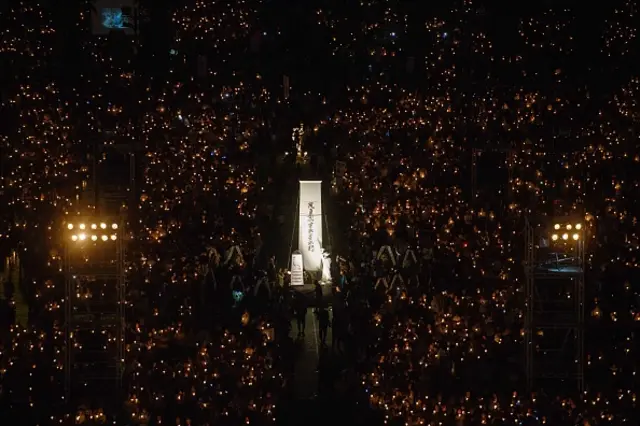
<point x="310" y="224"/>
<point x="286" y="86"/>
<point x="297" y="273"/>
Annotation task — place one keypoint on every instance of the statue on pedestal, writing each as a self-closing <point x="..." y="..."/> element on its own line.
<point x="326" y="267"/>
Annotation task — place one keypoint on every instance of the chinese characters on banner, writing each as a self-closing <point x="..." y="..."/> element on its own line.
<point x="310" y="225"/>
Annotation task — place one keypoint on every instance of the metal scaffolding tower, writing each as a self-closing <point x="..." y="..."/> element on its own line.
<point x="94" y="269"/>
<point x="554" y="304"/>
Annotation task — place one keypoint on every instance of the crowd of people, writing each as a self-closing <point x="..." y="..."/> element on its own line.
<point x="425" y="171"/>
<point x="440" y="132"/>
<point x="204" y="151"/>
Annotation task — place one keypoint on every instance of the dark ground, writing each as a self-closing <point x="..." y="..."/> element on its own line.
<point x="318" y="396"/>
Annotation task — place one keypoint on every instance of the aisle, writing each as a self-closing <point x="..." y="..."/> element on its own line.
<point x="315" y="402"/>
<point x="305" y="385"/>
<point x="306" y="408"/>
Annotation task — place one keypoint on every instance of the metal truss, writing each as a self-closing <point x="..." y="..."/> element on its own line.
<point x="95" y="290"/>
<point x="554" y="313"/>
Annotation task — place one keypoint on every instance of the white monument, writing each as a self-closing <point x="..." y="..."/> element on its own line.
<point x="310" y="225"/>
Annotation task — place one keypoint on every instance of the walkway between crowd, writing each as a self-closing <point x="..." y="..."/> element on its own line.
<point x="308" y="348"/>
<point x="305" y="408"/>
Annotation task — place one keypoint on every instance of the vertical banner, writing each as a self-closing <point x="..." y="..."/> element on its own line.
<point x="285" y="85"/>
<point x="297" y="273"/>
<point x="310" y="224"/>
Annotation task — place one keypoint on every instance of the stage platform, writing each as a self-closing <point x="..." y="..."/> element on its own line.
<point x="308" y="292"/>
<point x="558" y="270"/>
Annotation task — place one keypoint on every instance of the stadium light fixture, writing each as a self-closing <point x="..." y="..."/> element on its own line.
<point x="570" y="231"/>
<point x="94" y="231"/>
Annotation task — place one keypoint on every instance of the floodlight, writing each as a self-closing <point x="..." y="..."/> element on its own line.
<point x="578" y="226"/>
<point x="556" y="226"/>
<point x="113" y="237"/>
<point x="103" y="225"/>
<point x="554" y="237"/>
<point x="105" y="238"/>
<point x="576" y="237"/>
<point x="70" y="226"/>
<point x="94" y="238"/>
<point x="82" y="236"/>
<point x="94" y="226"/>
<point x="568" y="227"/>
<point x="82" y="226"/>
<point x="74" y="238"/>
<point x="114" y="226"/>
<point x="565" y="236"/>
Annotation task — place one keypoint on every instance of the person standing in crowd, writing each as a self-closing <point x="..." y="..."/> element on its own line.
<point x="338" y="329"/>
<point x="272" y="270"/>
<point x="280" y="278"/>
<point x="300" y="312"/>
<point x="318" y="295"/>
<point x="338" y="323"/>
<point x="323" y="325"/>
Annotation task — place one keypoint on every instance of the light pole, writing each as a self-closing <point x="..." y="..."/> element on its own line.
<point x="554" y="303"/>
<point x="95" y="290"/>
